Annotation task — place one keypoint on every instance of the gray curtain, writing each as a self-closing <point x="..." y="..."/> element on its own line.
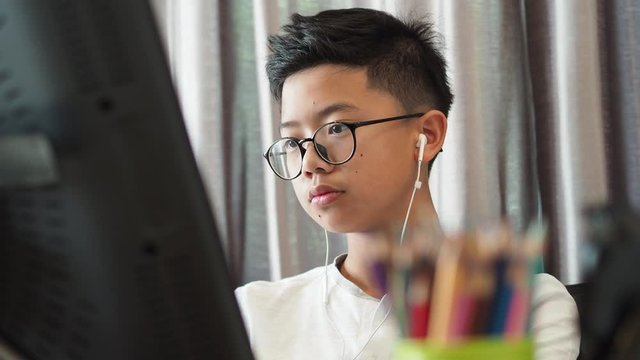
<point x="546" y="119"/>
<point x="211" y="52"/>
<point x="585" y="74"/>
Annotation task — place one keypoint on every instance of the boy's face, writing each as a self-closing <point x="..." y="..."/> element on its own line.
<point x="371" y="191"/>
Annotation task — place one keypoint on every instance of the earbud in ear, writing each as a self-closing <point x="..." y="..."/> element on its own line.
<point x="422" y="142"/>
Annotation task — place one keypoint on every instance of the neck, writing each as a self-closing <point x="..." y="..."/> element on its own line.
<point x="364" y="247"/>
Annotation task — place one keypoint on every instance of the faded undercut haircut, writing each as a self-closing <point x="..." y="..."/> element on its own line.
<point x="401" y="58"/>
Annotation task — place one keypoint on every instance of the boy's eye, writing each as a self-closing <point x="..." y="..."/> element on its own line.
<point x="290" y="144"/>
<point x="337" y="128"/>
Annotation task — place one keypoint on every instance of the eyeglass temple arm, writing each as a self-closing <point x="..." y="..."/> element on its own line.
<point x="377" y="121"/>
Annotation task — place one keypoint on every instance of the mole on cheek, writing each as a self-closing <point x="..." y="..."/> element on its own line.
<point x="360" y="155"/>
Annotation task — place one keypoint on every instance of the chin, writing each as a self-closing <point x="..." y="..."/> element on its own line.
<point x="333" y="223"/>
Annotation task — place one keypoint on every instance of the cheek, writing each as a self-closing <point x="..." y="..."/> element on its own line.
<point x="361" y="168"/>
<point x="374" y="163"/>
<point x="298" y="188"/>
<point x="356" y="161"/>
<point x="388" y="171"/>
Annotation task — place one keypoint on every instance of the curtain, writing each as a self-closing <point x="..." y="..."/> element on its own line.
<point x="211" y="53"/>
<point x="545" y="121"/>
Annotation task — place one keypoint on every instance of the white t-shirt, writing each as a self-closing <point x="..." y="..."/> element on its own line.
<point x="288" y="319"/>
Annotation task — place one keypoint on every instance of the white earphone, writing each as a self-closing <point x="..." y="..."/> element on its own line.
<point x="422" y="142"/>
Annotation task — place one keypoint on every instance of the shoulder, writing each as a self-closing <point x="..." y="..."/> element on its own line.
<point x="551" y="301"/>
<point x="277" y="290"/>
<point x="545" y="284"/>
<point x="267" y="305"/>
<point x="554" y="322"/>
<point x="272" y="297"/>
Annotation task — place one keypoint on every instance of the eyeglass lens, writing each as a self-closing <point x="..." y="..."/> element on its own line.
<point x="334" y="142"/>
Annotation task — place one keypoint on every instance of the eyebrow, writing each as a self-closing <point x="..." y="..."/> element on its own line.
<point x="323" y="113"/>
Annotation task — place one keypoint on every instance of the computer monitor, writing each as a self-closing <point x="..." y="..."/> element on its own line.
<point x="108" y="246"/>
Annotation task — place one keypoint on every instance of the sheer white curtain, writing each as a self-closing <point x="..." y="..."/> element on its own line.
<point x="545" y="119"/>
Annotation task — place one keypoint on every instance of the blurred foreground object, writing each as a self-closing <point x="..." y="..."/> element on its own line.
<point x="611" y="320"/>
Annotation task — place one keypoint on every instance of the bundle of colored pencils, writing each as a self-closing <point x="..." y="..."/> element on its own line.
<point x="475" y="285"/>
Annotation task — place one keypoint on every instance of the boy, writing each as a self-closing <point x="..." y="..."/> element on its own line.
<point x="330" y="73"/>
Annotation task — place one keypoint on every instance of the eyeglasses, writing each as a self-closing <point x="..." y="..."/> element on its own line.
<point x="335" y="142"/>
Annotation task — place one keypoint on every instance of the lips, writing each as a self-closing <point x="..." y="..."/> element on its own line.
<point x="324" y="195"/>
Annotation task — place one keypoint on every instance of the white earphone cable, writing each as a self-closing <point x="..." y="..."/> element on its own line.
<point x="326" y="294"/>
<point x="326" y="306"/>
<point x="416" y="186"/>
<point x="326" y="268"/>
<point x="373" y="332"/>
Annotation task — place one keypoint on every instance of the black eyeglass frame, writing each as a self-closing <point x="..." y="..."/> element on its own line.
<point x="350" y="125"/>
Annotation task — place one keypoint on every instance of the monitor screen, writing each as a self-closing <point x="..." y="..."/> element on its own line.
<point x="108" y="245"/>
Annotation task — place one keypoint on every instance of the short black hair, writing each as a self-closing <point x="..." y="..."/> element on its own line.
<point x="400" y="57"/>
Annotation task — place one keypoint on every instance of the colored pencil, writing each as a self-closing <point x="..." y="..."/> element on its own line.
<point x="444" y="288"/>
<point x="419" y="304"/>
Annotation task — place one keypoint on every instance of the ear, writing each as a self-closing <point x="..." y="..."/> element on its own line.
<point x="434" y="125"/>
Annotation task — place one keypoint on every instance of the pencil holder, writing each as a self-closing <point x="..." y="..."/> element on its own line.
<point x="494" y="349"/>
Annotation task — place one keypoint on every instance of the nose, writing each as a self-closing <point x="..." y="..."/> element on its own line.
<point x="312" y="162"/>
